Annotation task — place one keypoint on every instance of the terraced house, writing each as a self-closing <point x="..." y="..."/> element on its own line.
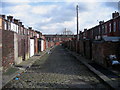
<point x="17" y="43"/>
<point x="100" y="41"/>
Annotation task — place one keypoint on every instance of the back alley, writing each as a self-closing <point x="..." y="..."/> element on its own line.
<point x="59" y="69"/>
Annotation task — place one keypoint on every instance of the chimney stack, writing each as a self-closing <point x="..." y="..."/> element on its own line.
<point x="114" y="15"/>
<point x="85" y="30"/>
<point x="10" y="18"/>
<point x="80" y="32"/>
<point x="16" y="21"/>
<point x="20" y="23"/>
<point x="30" y="28"/>
<point x="3" y="16"/>
<point x="101" y="22"/>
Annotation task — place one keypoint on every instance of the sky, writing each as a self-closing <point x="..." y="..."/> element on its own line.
<point x="53" y="16"/>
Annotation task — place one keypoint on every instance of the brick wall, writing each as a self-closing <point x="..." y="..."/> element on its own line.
<point x="100" y="50"/>
<point x="0" y="49"/>
<point x="97" y="50"/>
<point x="7" y="49"/>
<point x="23" y="44"/>
<point x="81" y="49"/>
<point x="78" y="47"/>
<point x="73" y="45"/>
<point x="36" y="45"/>
<point x="82" y="46"/>
<point x="111" y="48"/>
<point x="44" y="44"/>
<point x="24" y="47"/>
<point x="87" y="49"/>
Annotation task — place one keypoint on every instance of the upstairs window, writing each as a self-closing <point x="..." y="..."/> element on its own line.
<point x="9" y="26"/>
<point x="103" y="29"/>
<point x="28" y="32"/>
<point x="99" y="31"/>
<point x="110" y="27"/>
<point x="5" y="25"/>
<point x="106" y="28"/>
<point x="24" y="31"/>
<point x="114" y="26"/>
<point x="17" y="28"/>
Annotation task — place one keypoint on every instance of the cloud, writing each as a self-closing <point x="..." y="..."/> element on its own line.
<point x="42" y="9"/>
<point x="111" y="4"/>
<point x="95" y="14"/>
<point x="53" y="17"/>
<point x="60" y="1"/>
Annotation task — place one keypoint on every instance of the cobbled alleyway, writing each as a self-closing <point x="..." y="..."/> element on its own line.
<point x="58" y="69"/>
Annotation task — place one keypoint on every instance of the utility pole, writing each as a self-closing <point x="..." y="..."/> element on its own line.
<point x="119" y="7"/>
<point x="77" y="23"/>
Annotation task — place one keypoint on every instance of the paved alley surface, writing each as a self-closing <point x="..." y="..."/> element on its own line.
<point x="58" y="69"/>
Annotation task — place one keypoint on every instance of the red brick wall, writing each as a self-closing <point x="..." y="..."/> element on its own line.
<point x="36" y="45"/>
<point x="23" y="46"/>
<point x="44" y="45"/>
<point x="87" y="49"/>
<point x="0" y="48"/>
<point x="7" y="48"/>
<point x="74" y="45"/>
<point x="81" y="49"/>
<point x="100" y="50"/>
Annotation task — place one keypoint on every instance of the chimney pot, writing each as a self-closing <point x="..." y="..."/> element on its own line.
<point x="114" y="15"/>
<point x="30" y="28"/>
<point x="10" y="18"/>
<point x="80" y="32"/>
<point x="3" y="16"/>
<point x="16" y="21"/>
<point x="20" y="23"/>
<point x="101" y="22"/>
<point x="85" y="30"/>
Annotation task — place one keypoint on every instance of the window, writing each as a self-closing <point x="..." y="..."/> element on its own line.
<point x="17" y="28"/>
<point x="5" y="25"/>
<point x="24" y="31"/>
<point x="106" y="28"/>
<point x="103" y="29"/>
<point x="99" y="31"/>
<point x="114" y="26"/>
<point x="110" y="27"/>
<point x="28" y="32"/>
<point x="12" y="26"/>
<point x="9" y="26"/>
<point x="37" y="35"/>
<point x="21" y="31"/>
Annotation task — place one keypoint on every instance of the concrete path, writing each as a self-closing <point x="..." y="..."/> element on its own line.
<point x="58" y="69"/>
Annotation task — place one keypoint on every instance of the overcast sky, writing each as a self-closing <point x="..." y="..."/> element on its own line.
<point x="52" y="17"/>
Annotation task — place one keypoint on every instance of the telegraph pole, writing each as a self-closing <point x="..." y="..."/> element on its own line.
<point x="77" y="23"/>
<point x="119" y="7"/>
